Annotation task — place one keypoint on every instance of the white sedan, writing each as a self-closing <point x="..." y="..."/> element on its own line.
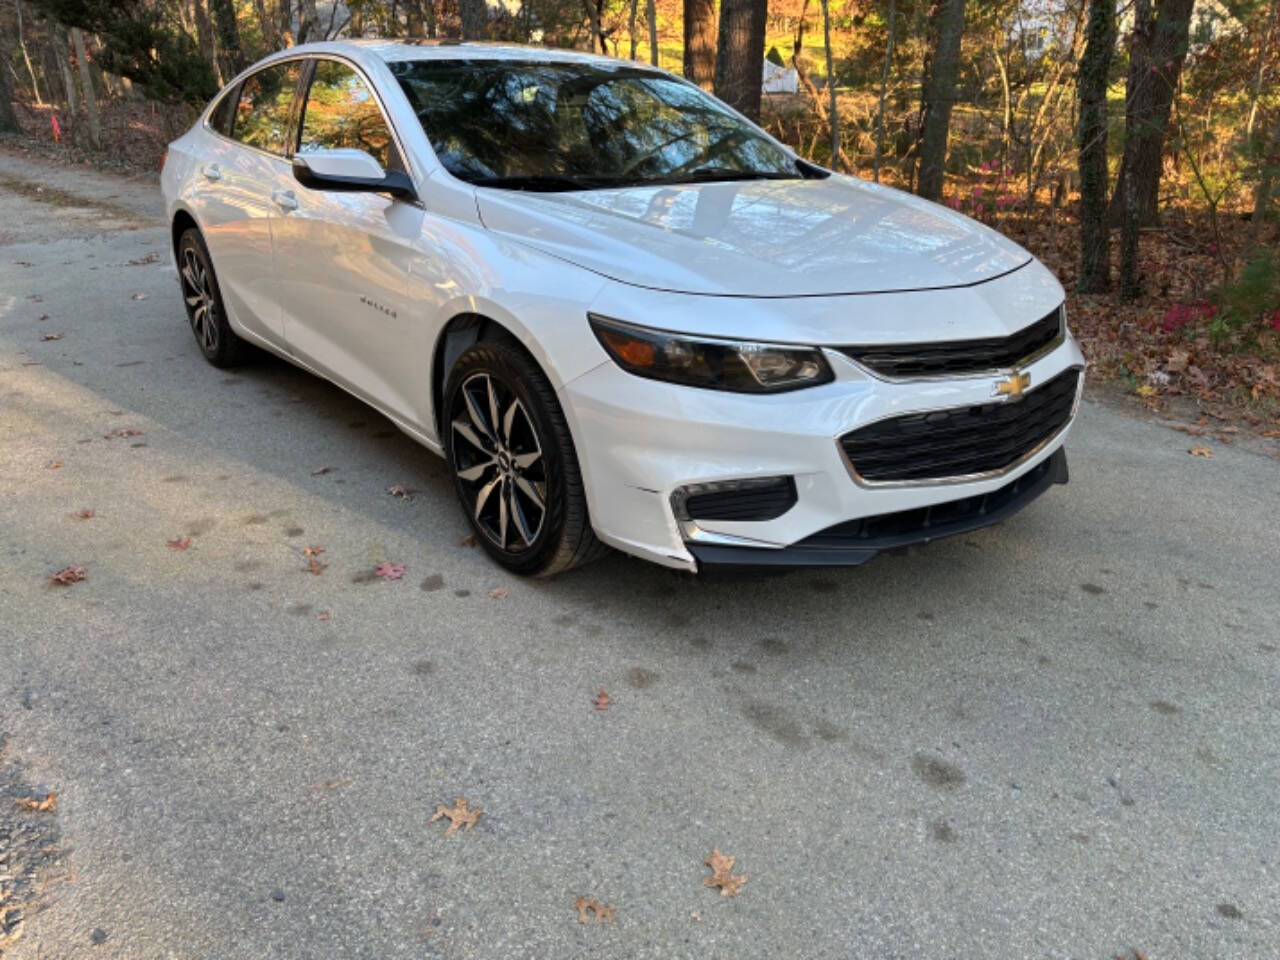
<point x="623" y="313"/>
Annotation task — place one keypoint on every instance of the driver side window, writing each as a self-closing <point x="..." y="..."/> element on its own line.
<point x="341" y="111"/>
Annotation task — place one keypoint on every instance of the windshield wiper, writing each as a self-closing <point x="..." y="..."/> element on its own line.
<point x="724" y="174"/>
<point x="545" y="183"/>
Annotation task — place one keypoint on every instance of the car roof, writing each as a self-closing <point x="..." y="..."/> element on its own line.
<point x="391" y="51"/>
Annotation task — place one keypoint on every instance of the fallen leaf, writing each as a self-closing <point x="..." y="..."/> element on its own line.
<point x="48" y="804"/>
<point x="722" y="875"/>
<point x="69" y="575"/>
<point x="389" y="571"/>
<point x="323" y="616"/>
<point x="1184" y="428"/>
<point x="459" y="816"/>
<point x="320" y="471"/>
<point x="138" y="296"/>
<point x="179" y="543"/>
<point x="315" y="567"/>
<point x="51" y="336"/>
<point x="400" y="490"/>
<point x="1201" y="452"/>
<point x="601" y="701"/>
<point x="329" y="784"/>
<point x="602" y="913"/>
<point x="53" y="465"/>
<point x="122" y="432"/>
<point x="468" y="541"/>
<point x="83" y="515"/>
<point x="1147" y="390"/>
<point x="1271" y="433"/>
<point x="497" y="593"/>
<point x="312" y="551"/>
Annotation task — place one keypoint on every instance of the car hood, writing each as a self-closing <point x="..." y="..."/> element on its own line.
<point x="759" y="238"/>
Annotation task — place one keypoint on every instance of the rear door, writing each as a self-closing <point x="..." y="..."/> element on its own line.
<point x="242" y="177"/>
<point x="345" y="259"/>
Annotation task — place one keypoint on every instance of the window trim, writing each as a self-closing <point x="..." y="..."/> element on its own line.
<point x="305" y="91"/>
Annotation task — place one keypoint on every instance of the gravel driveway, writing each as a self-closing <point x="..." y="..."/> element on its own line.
<point x="1056" y="738"/>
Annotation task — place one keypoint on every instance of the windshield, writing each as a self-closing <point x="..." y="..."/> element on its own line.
<point x="575" y="126"/>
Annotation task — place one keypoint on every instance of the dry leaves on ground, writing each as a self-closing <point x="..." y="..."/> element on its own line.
<point x="601" y="700"/>
<point x="400" y="490"/>
<point x="459" y="816"/>
<point x="51" y="336"/>
<point x="69" y="575"/>
<point x="497" y="593"/>
<point x="1201" y="452"/>
<point x="722" y="875"/>
<point x="389" y="571"/>
<point x="312" y="551"/>
<point x="320" y="471"/>
<point x="590" y="905"/>
<point x="122" y="433"/>
<point x="138" y="296"/>
<point x="53" y="465"/>
<point x="178" y="543"/>
<point x="315" y="567"/>
<point x="83" y="515"/>
<point x="323" y="616"/>
<point x="468" y="541"/>
<point x="47" y="804"/>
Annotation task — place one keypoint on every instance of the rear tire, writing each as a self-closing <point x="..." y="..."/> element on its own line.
<point x="205" y="310"/>
<point x="514" y="464"/>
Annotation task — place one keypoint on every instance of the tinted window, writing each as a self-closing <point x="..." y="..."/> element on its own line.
<point x="262" y="112"/>
<point x="538" y="125"/>
<point x="341" y="112"/>
<point x="220" y="116"/>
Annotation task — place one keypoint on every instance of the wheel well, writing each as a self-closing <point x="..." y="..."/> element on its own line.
<point x="182" y="222"/>
<point x="458" y="334"/>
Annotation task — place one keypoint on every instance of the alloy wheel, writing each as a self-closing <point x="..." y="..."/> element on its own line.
<point x="499" y="461"/>
<point x="202" y="305"/>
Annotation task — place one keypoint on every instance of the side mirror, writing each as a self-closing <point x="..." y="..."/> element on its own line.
<point x="350" y="171"/>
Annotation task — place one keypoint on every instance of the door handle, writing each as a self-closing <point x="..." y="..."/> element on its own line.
<point x="285" y="200"/>
<point x="211" y="171"/>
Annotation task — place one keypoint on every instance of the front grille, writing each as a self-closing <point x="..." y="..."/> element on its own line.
<point x="964" y="440"/>
<point x="901" y="360"/>
<point x="765" y="500"/>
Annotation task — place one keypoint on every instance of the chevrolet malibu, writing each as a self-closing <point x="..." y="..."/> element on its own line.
<point x="624" y="314"/>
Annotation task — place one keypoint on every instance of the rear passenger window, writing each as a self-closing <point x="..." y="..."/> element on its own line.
<point x="263" y="107"/>
<point x="341" y="111"/>
<point x="221" y="115"/>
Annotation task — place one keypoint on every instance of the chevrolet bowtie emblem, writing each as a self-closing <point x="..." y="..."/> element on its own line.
<point x="1013" y="387"/>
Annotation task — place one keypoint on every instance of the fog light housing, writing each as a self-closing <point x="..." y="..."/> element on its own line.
<point x="748" y="499"/>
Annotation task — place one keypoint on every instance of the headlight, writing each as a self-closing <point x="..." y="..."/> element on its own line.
<point x="714" y="364"/>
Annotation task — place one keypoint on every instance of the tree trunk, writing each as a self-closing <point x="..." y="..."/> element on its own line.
<point x="1095" y="237"/>
<point x="700" y="42"/>
<point x="86" y="84"/>
<point x="939" y="95"/>
<point x="631" y="28"/>
<point x="224" y="16"/>
<point x="740" y="56"/>
<point x="8" y="119"/>
<point x="1262" y="196"/>
<point x="651" y="13"/>
<point x="884" y="83"/>
<point x="59" y="45"/>
<point x="286" y="23"/>
<point x="831" y="87"/>
<point x="22" y="45"/>
<point x="1156" y="54"/>
<point x="205" y="38"/>
<point x="269" y="33"/>
<point x="475" y="17"/>
<point x="308" y="19"/>
<point x="413" y="19"/>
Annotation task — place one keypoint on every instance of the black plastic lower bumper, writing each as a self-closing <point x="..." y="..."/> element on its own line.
<point x="857" y="541"/>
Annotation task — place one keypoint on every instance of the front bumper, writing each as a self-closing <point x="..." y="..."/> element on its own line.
<point x="640" y="440"/>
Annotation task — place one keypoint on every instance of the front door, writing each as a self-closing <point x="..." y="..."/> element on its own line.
<point x="344" y="260"/>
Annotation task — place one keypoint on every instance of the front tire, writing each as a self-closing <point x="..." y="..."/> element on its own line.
<point x="514" y="464"/>
<point x="205" y="310"/>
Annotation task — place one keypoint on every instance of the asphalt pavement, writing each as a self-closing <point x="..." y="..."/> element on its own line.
<point x="1057" y="738"/>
